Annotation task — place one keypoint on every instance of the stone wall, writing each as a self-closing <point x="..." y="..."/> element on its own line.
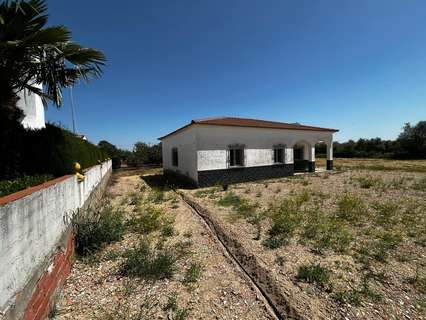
<point x="34" y="240"/>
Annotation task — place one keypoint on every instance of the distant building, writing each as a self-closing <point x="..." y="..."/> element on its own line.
<point x="231" y="150"/>
<point x="32" y="106"/>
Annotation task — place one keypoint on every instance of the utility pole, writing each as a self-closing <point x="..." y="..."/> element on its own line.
<point x="72" y="110"/>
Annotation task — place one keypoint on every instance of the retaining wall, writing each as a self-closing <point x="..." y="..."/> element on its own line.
<point x="36" y="244"/>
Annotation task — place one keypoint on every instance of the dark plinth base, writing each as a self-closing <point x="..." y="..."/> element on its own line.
<point x="243" y="174"/>
<point x="329" y="164"/>
<point x="311" y="165"/>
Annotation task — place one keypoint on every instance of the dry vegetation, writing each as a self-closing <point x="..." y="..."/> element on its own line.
<point x="144" y="255"/>
<point x="351" y="244"/>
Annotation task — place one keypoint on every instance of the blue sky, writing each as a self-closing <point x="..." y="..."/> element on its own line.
<point x="359" y="66"/>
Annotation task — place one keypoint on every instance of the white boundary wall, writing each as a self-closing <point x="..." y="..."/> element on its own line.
<point x="32" y="226"/>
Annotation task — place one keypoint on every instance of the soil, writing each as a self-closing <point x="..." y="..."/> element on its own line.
<point x="97" y="290"/>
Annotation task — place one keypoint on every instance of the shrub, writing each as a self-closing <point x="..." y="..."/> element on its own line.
<point x="151" y="263"/>
<point x="314" y="273"/>
<point x="156" y="195"/>
<point x="94" y="228"/>
<point x="24" y="182"/>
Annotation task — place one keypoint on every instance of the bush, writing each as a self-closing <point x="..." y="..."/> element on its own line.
<point x="14" y="185"/>
<point x="94" y="228"/>
<point x="149" y="219"/>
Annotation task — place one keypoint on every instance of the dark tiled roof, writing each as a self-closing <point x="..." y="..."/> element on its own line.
<point x="253" y="123"/>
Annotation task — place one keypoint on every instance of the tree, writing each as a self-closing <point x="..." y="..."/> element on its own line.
<point x="412" y="141"/>
<point x="109" y="148"/>
<point x="144" y="153"/>
<point x="32" y="54"/>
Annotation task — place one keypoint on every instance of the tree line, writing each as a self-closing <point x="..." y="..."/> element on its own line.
<point x="410" y="144"/>
<point x="142" y="153"/>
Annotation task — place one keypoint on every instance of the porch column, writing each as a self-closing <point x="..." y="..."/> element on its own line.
<point x="330" y="156"/>
<point x="311" y="158"/>
<point x="289" y="157"/>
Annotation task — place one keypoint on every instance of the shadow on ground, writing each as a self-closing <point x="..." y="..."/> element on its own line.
<point x="160" y="181"/>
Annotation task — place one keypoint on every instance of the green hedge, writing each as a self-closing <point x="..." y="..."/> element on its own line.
<point x="12" y="186"/>
<point x="51" y="150"/>
<point x="56" y="149"/>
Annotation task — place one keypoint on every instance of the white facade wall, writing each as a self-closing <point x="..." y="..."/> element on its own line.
<point x="185" y="143"/>
<point x="213" y="141"/>
<point x="30" y="228"/>
<point x="32" y="106"/>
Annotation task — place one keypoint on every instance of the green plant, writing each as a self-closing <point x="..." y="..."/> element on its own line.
<point x="93" y="228"/>
<point x="135" y="198"/>
<point x="149" y="262"/>
<point x="314" y="273"/>
<point x="350" y="208"/>
<point x="172" y="305"/>
<point x="368" y="182"/>
<point x="386" y="213"/>
<point x="14" y="185"/>
<point x="156" y="195"/>
<point x="420" y="184"/>
<point x="193" y="273"/>
<point x="149" y="219"/>
<point x="210" y="192"/>
<point x="326" y="232"/>
<point x="285" y="219"/>
<point x="230" y="200"/>
<point x="386" y="243"/>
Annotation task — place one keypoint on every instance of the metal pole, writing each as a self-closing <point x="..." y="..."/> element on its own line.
<point x="72" y="110"/>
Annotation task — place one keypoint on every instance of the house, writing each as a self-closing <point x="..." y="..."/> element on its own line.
<point x="33" y="109"/>
<point x="230" y="150"/>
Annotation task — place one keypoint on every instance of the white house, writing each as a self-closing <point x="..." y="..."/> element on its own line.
<point x="33" y="109"/>
<point x="231" y="150"/>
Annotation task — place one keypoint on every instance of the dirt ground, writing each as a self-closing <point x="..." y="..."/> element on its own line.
<point x="96" y="289"/>
<point x="376" y="267"/>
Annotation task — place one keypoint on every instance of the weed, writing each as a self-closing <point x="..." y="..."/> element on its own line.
<point x="368" y="182"/>
<point x="112" y="255"/>
<point x="172" y="305"/>
<point x="350" y="208"/>
<point x="230" y="200"/>
<point x="148" y="219"/>
<point x="386" y="213"/>
<point x="314" y="273"/>
<point x="280" y="260"/>
<point x="326" y="233"/>
<point x="386" y="243"/>
<point x="151" y="263"/>
<point x="351" y="296"/>
<point x="210" y="193"/>
<point x="193" y="273"/>
<point x="285" y="218"/>
<point x="167" y="230"/>
<point x="93" y="228"/>
<point x="420" y="184"/>
<point x="135" y="198"/>
<point x="156" y="195"/>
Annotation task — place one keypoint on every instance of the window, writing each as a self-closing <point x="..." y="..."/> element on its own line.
<point x="236" y="157"/>
<point x="175" y="158"/>
<point x="278" y="155"/>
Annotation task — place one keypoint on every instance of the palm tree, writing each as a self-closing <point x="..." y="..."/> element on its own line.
<point x="32" y="54"/>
